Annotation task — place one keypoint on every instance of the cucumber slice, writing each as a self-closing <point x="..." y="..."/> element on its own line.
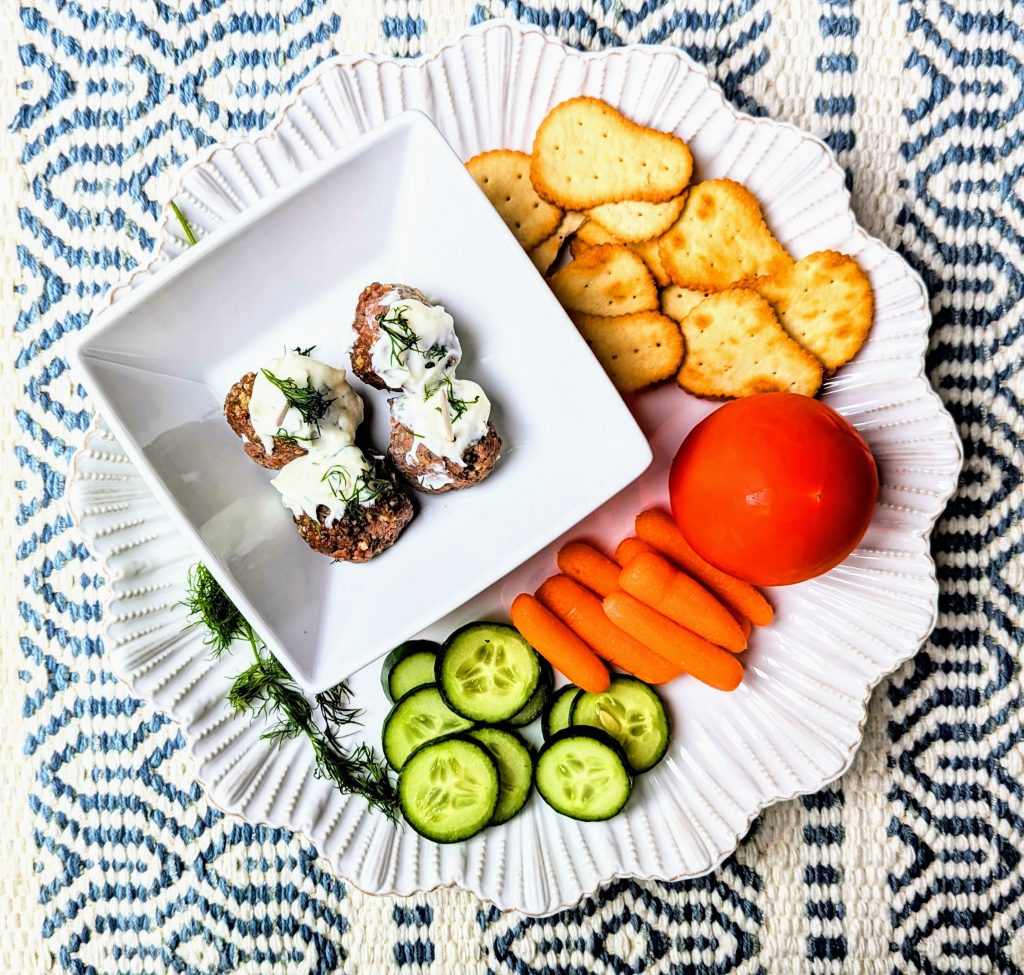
<point x="409" y="665"/>
<point x="448" y="789"/>
<point x="487" y="672"/>
<point x="582" y="773"/>
<point x="633" y="714"/>
<point x="538" y="699"/>
<point x="418" y="717"/>
<point x="559" y="709"/>
<point x="515" y="769"/>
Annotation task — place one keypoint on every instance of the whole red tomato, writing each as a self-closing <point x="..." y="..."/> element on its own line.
<point x="774" y="489"/>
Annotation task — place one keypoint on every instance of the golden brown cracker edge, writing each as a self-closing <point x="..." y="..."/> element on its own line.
<point x="720" y="239"/>
<point x="586" y="153"/>
<point x="636" y="350"/>
<point x="825" y="302"/>
<point x="607" y="279"/>
<point x="736" y="347"/>
<point x="504" y="177"/>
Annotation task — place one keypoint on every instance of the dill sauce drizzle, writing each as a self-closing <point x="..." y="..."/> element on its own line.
<point x="417" y="353"/>
<point x="333" y="472"/>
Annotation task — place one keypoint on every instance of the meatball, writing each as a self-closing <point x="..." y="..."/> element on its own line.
<point x="365" y="531"/>
<point x="368" y="330"/>
<point x="236" y="410"/>
<point x="479" y="461"/>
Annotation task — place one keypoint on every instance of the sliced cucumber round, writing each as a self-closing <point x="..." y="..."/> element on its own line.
<point x="558" y="710"/>
<point x="487" y="672"/>
<point x="515" y="769"/>
<point x="418" y="717"/>
<point x="582" y="773"/>
<point x="409" y="665"/>
<point x="448" y="789"/>
<point x="633" y="714"/>
<point x="538" y="699"/>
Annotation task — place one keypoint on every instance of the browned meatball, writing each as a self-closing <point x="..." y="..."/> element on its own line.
<point x="236" y="409"/>
<point x="479" y="460"/>
<point x="367" y="328"/>
<point x="364" y="533"/>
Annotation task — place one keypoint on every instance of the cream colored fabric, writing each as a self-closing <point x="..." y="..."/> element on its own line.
<point x="21" y="943"/>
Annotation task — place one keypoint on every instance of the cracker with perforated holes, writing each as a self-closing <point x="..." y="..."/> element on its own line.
<point x="608" y="279"/>
<point x="504" y="176"/>
<point x="636" y="350"/>
<point x="824" y="301"/>
<point x="545" y="253"/>
<point x="735" y="346"/>
<point x="633" y="221"/>
<point x="678" y="302"/>
<point x="592" y="233"/>
<point x="720" y="239"/>
<point x="586" y="153"/>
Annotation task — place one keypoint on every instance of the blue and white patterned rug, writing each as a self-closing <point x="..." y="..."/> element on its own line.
<point x="911" y="863"/>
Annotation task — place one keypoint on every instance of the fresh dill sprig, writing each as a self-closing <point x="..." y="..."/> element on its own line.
<point x="394" y="323"/>
<point x="457" y="407"/>
<point x="355" y="770"/>
<point x="265" y="689"/>
<point x="436" y="352"/>
<point x="210" y="607"/>
<point x="293" y="438"/>
<point x="298" y="350"/>
<point x="311" y="403"/>
<point x="357" y="493"/>
<point x="189" y="235"/>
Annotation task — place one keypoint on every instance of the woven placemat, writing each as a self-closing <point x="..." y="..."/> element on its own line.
<point x="21" y="944"/>
<point x="116" y="862"/>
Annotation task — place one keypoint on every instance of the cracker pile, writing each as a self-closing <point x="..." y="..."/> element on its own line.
<point x="671" y="277"/>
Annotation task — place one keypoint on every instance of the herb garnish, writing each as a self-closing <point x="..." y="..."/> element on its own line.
<point x="298" y="350"/>
<point x="311" y="403"/>
<point x="359" y="493"/>
<point x="394" y="323"/>
<point x="209" y="606"/>
<point x="457" y="406"/>
<point x="189" y="235"/>
<point x="266" y="690"/>
<point x="291" y="438"/>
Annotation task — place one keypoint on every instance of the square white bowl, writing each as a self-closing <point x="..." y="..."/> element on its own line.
<point x="395" y="205"/>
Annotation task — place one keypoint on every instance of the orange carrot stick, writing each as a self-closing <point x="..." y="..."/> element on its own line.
<point x="582" y="612"/>
<point x="708" y="663"/>
<point x="746" y="626"/>
<point x="557" y="644"/>
<point x="589" y="567"/>
<point x="674" y="594"/>
<point x="630" y="548"/>
<point x="661" y="531"/>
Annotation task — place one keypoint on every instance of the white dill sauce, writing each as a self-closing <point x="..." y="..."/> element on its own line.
<point x="307" y="402"/>
<point x="417" y="353"/>
<point x="417" y="344"/>
<point x="468" y="410"/>
<point x="272" y="414"/>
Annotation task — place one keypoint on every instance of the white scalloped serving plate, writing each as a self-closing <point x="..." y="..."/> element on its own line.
<point x="798" y="717"/>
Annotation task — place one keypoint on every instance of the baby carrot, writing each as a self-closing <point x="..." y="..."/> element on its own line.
<point x="674" y="594"/>
<point x="661" y="531"/>
<point x="708" y="663"/>
<point x="588" y="566"/>
<point x="582" y="612"/>
<point x="630" y="548"/>
<point x="557" y="644"/>
<point x="745" y="625"/>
